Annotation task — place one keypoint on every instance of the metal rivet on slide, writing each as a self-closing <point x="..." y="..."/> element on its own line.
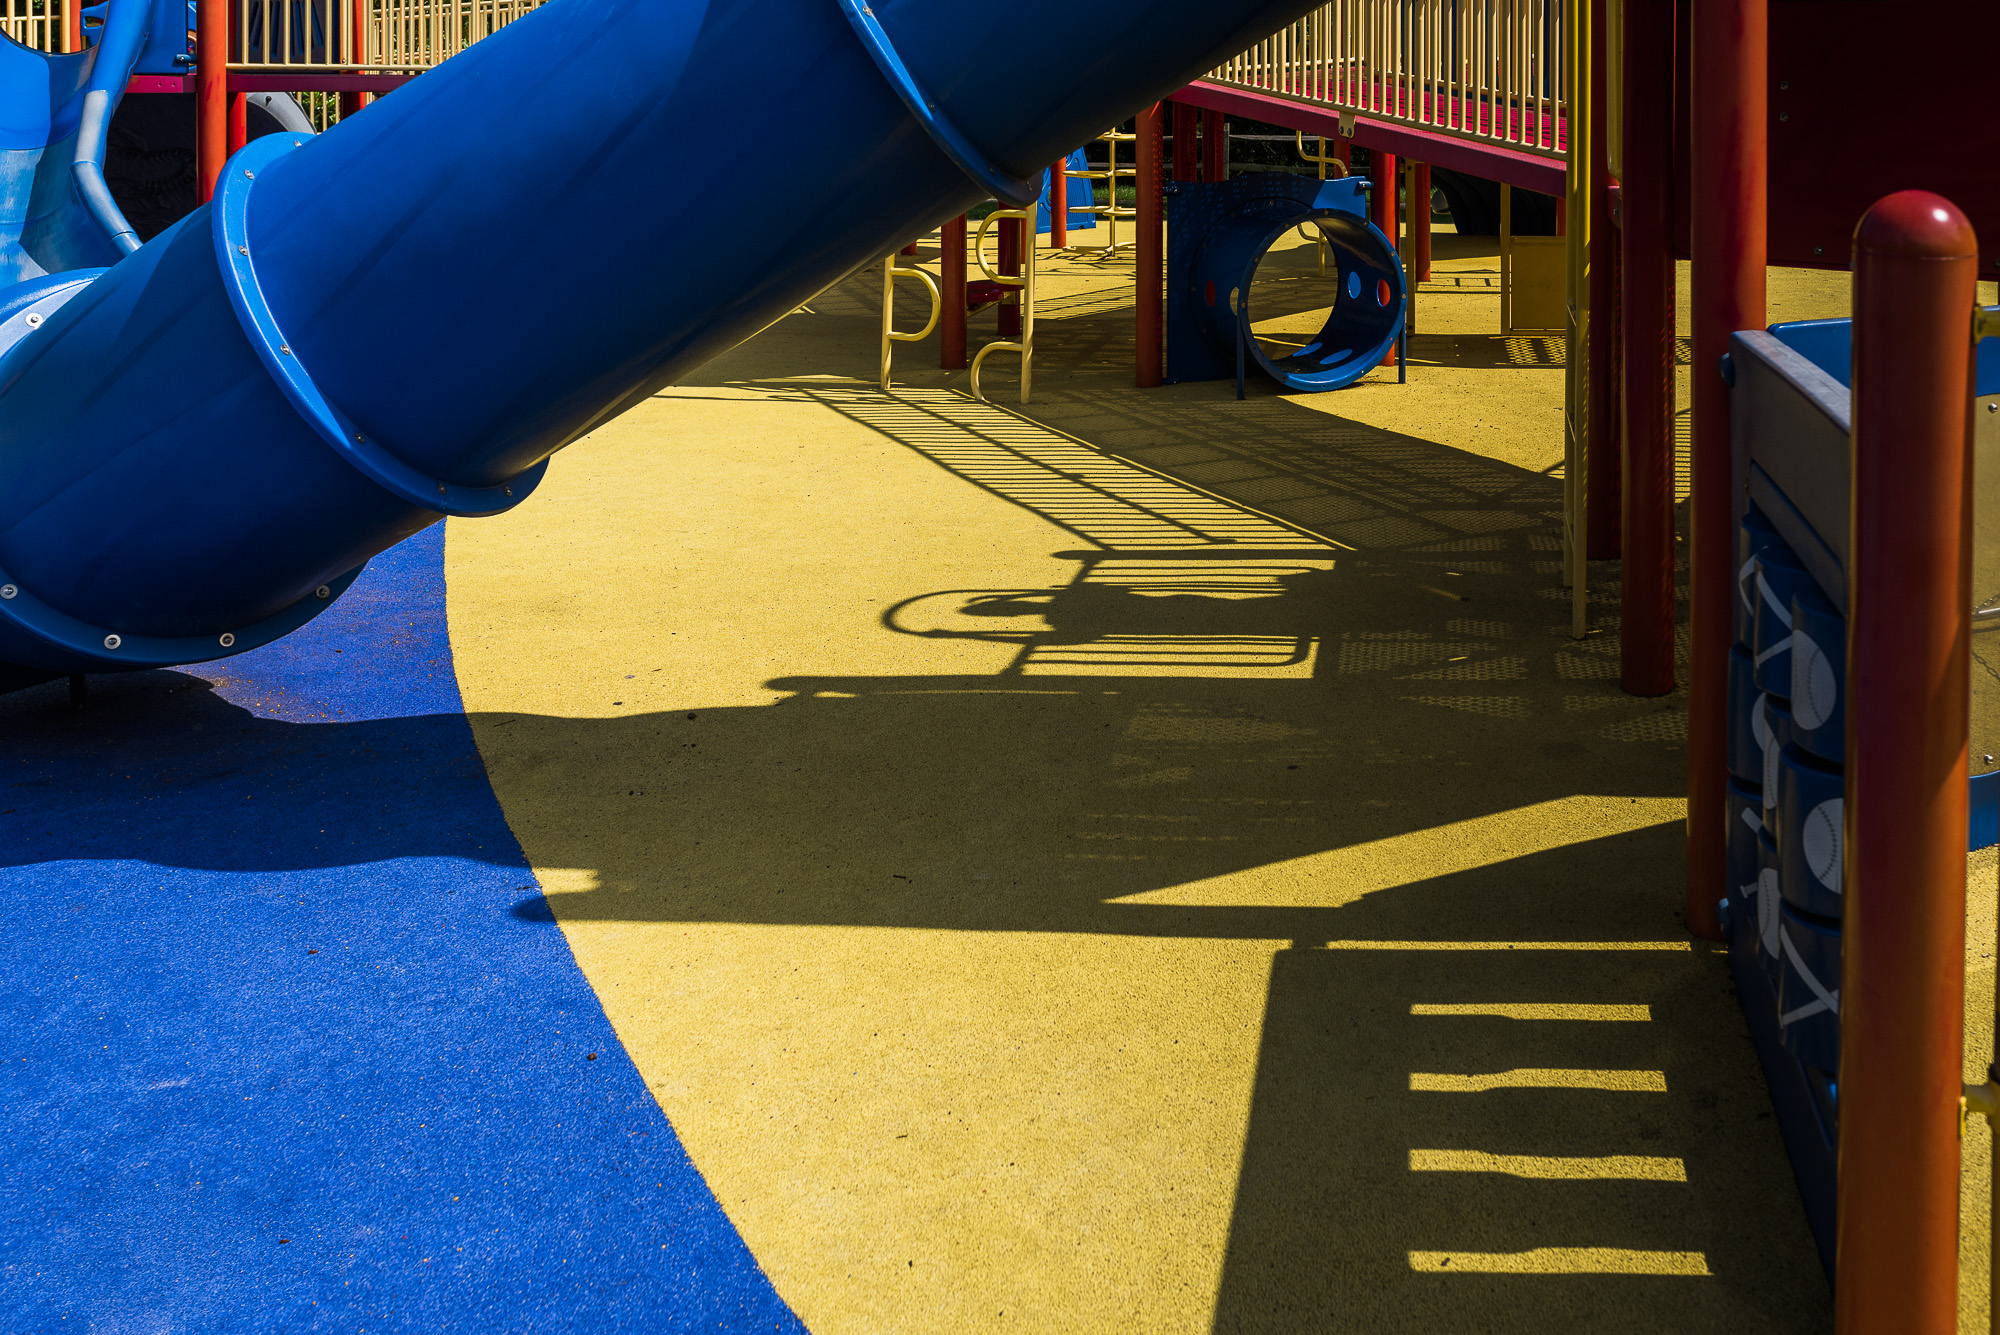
<point x="112" y="642"/>
<point x="441" y="490"/>
<point x="34" y="318"/>
<point x="323" y="592"/>
<point x="243" y="250"/>
<point x="508" y="490"/>
<point x="226" y="639"/>
<point x="285" y="348"/>
<point x="8" y="590"/>
<point x="249" y="175"/>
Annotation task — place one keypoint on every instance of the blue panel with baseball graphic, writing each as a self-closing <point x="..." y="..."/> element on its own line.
<point x="1789" y="406"/>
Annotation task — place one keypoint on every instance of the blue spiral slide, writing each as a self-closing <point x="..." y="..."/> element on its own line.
<point x="292" y="1039"/>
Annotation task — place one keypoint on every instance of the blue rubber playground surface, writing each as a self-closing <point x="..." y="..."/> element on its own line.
<point x="293" y="1041"/>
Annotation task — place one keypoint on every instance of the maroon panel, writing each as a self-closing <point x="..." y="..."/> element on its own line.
<point x="1868" y="98"/>
<point x="1524" y="171"/>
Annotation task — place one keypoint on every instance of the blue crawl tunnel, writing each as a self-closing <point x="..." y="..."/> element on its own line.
<point x="1219" y="234"/>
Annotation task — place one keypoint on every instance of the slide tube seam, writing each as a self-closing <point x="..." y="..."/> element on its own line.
<point x="1013" y="191"/>
<point x="260" y="326"/>
<point x="83" y="647"/>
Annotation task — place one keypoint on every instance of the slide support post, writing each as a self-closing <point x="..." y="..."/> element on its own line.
<point x="1214" y="146"/>
<point x="1184" y="145"/>
<point x="951" y="268"/>
<point x="1909" y="599"/>
<point x="1420" y="220"/>
<point x="1059" y="204"/>
<point x="1149" y="304"/>
<point x="1730" y="98"/>
<point x="1645" y="242"/>
<point x="211" y="94"/>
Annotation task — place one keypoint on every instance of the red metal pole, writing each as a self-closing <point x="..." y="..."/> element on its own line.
<point x="1909" y="597"/>
<point x="1059" y="204"/>
<point x="211" y="94"/>
<point x="1214" y="147"/>
<point x="1646" y="327"/>
<point x="1150" y="276"/>
<point x="1183" y="141"/>
<point x="1729" y="100"/>
<point x="239" y="120"/>
<point x="951" y="320"/>
<point x="357" y="52"/>
<point x="1382" y="208"/>
<point x="1008" y="316"/>
<point x="1382" y="197"/>
<point x="1420" y="220"/>
<point x="1603" y="486"/>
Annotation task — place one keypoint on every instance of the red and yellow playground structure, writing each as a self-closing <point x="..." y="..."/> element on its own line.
<point x="1838" y="525"/>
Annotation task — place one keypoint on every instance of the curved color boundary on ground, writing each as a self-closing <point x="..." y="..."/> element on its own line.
<point x="294" y="1041"/>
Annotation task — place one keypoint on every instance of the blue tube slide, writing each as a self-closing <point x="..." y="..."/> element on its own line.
<point x="55" y="212"/>
<point x="404" y="318"/>
<point x="1218" y="236"/>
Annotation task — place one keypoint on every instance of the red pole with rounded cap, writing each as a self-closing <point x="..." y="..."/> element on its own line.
<point x="1909" y="599"/>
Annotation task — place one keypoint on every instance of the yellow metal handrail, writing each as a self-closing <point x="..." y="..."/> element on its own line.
<point x="347" y="36"/>
<point x="39" y="25"/>
<point x="891" y="271"/>
<point x="1486" y="70"/>
<point x="1026" y="283"/>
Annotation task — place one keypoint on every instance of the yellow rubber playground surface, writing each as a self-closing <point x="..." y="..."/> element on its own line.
<point x="1140" y="862"/>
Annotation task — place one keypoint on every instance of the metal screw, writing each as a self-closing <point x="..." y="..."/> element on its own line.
<point x="112" y="642"/>
<point x="360" y="440"/>
<point x="243" y="250"/>
<point x="33" y="318"/>
<point x="8" y="590"/>
<point x="441" y="490"/>
<point x="1784" y="85"/>
<point x="226" y="639"/>
<point x="323" y="592"/>
<point x="249" y="175"/>
<point x="1987" y="759"/>
<point x="1784" y="115"/>
<point x="508" y="490"/>
<point x="1819" y="250"/>
<point x="285" y="348"/>
<point x="1994" y="406"/>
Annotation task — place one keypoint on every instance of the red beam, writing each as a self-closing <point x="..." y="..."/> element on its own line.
<point x="317" y="83"/>
<point x="1494" y="162"/>
<point x="1909" y="591"/>
<point x="275" y="83"/>
<point x="1729" y="152"/>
